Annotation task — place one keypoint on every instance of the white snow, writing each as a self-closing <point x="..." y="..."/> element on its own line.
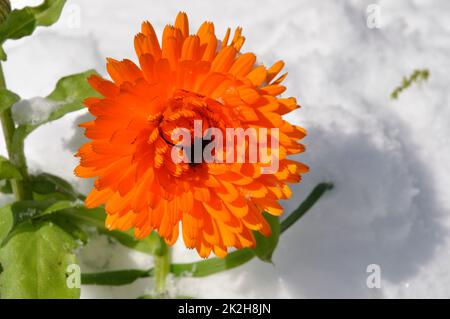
<point x="34" y="110"/>
<point x="388" y="159"/>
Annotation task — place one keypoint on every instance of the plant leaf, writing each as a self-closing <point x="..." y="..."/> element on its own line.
<point x="309" y="202"/>
<point x="17" y="213"/>
<point x="7" y="99"/>
<point x="115" y="278"/>
<point x="48" y="184"/>
<point x="69" y="93"/>
<point x="48" y="12"/>
<point x="5" y="186"/>
<point x="69" y="227"/>
<point x="68" y="96"/>
<point x="265" y="246"/>
<point x="58" y="206"/>
<point x="147" y="245"/>
<point x="8" y="170"/>
<point x="213" y="265"/>
<point x="20" y="212"/>
<point x="22" y="22"/>
<point x="5" y="9"/>
<point x="197" y="269"/>
<point x="6" y="221"/>
<point x="96" y="217"/>
<point x="34" y="263"/>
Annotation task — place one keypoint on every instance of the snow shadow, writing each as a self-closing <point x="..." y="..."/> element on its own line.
<point x="383" y="211"/>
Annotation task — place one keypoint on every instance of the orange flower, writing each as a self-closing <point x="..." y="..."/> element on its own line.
<point x="189" y="77"/>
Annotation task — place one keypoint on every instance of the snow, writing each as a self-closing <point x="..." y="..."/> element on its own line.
<point x="387" y="158"/>
<point x="33" y="111"/>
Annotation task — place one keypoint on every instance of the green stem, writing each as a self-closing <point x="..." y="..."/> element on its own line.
<point x="162" y="267"/>
<point x="16" y="156"/>
<point x="115" y="278"/>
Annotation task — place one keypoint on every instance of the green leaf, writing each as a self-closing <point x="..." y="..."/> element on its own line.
<point x="309" y="202"/>
<point x="69" y="227"/>
<point x="48" y="12"/>
<point x="197" y="269"/>
<point x="17" y="213"/>
<point x="146" y="245"/>
<point x="5" y="186"/>
<point x="70" y="91"/>
<point x="11" y="216"/>
<point x="8" y="170"/>
<point x="27" y="210"/>
<point x="22" y="22"/>
<point x="213" y="265"/>
<point x="265" y="246"/>
<point x="47" y="184"/>
<point x="418" y="76"/>
<point x="7" y="99"/>
<point x="5" y="9"/>
<point x="96" y="217"/>
<point x="115" y="278"/>
<point x="6" y="221"/>
<point x="58" y="206"/>
<point x="35" y="261"/>
<point x="68" y="96"/>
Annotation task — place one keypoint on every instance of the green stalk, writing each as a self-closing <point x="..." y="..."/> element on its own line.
<point x="16" y="155"/>
<point x="161" y="268"/>
<point x="115" y="278"/>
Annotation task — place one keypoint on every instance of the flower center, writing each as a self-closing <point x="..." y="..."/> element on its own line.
<point x="192" y="114"/>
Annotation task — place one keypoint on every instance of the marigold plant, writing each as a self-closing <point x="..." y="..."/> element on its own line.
<point x="150" y="181"/>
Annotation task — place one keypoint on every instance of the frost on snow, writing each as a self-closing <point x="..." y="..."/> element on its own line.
<point x="33" y="111"/>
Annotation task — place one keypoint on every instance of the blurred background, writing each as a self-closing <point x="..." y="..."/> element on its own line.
<point x="388" y="159"/>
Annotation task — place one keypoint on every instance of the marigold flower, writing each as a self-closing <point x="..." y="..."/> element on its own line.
<point x="189" y="77"/>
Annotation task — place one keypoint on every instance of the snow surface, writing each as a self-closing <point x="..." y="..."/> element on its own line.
<point x="33" y="111"/>
<point x="388" y="159"/>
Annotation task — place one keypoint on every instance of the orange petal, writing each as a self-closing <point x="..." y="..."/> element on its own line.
<point x="97" y="198"/>
<point x="243" y="64"/>
<point x="182" y="23"/>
